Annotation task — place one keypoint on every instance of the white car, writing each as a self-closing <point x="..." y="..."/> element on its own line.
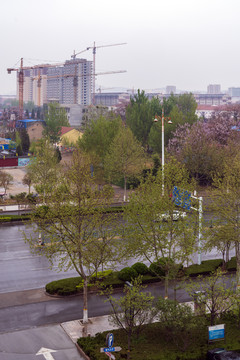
<point x="176" y="216"/>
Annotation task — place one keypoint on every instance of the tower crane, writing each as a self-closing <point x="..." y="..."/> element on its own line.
<point x="94" y="47"/>
<point x="20" y="74"/>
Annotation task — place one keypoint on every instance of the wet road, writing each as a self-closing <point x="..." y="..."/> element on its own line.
<point x="19" y="269"/>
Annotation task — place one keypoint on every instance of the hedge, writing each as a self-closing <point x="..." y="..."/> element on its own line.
<point x="206" y="267"/>
<point x="232" y="264"/>
<point x="64" y="286"/>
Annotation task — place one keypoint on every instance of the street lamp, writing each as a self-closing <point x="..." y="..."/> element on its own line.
<point x="162" y="118"/>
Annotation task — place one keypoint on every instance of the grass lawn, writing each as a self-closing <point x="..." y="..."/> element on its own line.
<point x="158" y="343"/>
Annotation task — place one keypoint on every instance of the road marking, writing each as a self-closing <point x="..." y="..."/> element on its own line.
<point x="46" y="353"/>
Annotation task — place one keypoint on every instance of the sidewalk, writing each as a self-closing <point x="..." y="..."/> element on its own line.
<point x="8" y="208"/>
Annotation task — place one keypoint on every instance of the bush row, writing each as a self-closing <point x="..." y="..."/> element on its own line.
<point x="9" y="218"/>
<point x="149" y="274"/>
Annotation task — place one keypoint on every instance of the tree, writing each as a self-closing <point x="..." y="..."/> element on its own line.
<point x="19" y="150"/>
<point x="27" y="180"/>
<point x="214" y="293"/>
<point x="165" y="244"/>
<point x="181" y="110"/>
<point x="139" y="117"/>
<point x="33" y="113"/>
<point x="131" y="311"/>
<point x="203" y="146"/>
<point x="78" y="232"/>
<point x="5" y="180"/>
<point x="178" y="322"/>
<point x="97" y="139"/>
<point x="43" y="168"/>
<point x="25" y="142"/>
<point x="125" y="157"/>
<point x="226" y="203"/>
<point x="55" y="118"/>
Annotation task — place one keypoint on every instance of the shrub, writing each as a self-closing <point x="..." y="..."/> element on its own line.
<point x="232" y="264"/>
<point x="158" y="268"/>
<point x="63" y="286"/>
<point x="140" y="268"/>
<point x="113" y="281"/>
<point x="101" y="275"/>
<point x="127" y="274"/>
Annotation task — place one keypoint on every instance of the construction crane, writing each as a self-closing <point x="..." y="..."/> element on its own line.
<point x="20" y="86"/>
<point x="94" y="47"/>
<point x="20" y="74"/>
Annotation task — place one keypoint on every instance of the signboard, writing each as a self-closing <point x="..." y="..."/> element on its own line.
<point x="216" y="332"/>
<point x="109" y="340"/>
<point x="182" y="198"/>
<point x="111" y="349"/>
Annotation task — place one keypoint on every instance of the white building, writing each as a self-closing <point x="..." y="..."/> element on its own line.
<point x="69" y="83"/>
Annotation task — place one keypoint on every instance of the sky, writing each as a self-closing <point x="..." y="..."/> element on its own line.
<point x="186" y="43"/>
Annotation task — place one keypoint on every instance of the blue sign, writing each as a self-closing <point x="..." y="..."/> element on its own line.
<point x="182" y="198"/>
<point x="110" y="339"/>
<point x="109" y="349"/>
<point x="216" y="332"/>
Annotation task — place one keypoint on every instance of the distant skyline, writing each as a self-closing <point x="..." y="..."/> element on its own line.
<point x="189" y="43"/>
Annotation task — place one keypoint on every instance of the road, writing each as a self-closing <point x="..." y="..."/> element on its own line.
<point x="19" y="269"/>
<point x="26" y="329"/>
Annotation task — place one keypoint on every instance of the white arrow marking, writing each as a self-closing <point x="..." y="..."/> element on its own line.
<point x="46" y="353"/>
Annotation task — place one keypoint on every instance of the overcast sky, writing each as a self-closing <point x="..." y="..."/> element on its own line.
<point x="186" y="43"/>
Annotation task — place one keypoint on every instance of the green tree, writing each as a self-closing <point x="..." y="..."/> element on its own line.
<point x="43" y="168"/>
<point x="78" y="233"/>
<point x="27" y="180"/>
<point x="19" y="149"/>
<point x="139" y="117"/>
<point x="33" y="113"/>
<point x="165" y="244"/>
<point x="97" y="139"/>
<point x="132" y="311"/>
<point x="55" y="118"/>
<point x="180" y="109"/>
<point x="5" y="180"/>
<point x="25" y="142"/>
<point x="213" y="293"/>
<point x="176" y="320"/>
<point x="226" y="203"/>
<point x="125" y="157"/>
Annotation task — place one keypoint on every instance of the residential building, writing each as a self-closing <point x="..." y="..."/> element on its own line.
<point x="214" y="89"/>
<point x="68" y="83"/>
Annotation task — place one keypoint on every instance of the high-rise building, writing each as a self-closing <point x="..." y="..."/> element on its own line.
<point x="234" y="91"/>
<point x="214" y="89"/>
<point x="170" y="89"/>
<point x="70" y="83"/>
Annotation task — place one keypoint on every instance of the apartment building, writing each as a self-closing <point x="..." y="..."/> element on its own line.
<point x="69" y="83"/>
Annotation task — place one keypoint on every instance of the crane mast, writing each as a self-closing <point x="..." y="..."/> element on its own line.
<point x="94" y="47"/>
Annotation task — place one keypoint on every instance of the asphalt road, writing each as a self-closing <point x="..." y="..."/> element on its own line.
<point x="19" y="268"/>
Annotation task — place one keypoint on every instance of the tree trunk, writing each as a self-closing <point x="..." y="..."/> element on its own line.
<point x="129" y="344"/>
<point x="85" y="302"/>
<point x="166" y="285"/>
<point x="237" y="247"/>
<point x="125" y="189"/>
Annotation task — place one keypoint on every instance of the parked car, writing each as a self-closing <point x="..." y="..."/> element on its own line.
<point x="167" y="216"/>
<point x="222" y="354"/>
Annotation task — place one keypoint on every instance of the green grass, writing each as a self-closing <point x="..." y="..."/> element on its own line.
<point x="153" y="344"/>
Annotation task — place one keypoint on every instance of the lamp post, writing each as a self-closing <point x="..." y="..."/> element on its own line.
<point x="162" y="118"/>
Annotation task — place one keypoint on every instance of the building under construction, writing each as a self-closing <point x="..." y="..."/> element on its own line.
<point x="67" y="83"/>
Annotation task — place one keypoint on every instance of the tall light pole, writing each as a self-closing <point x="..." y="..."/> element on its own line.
<point x="162" y="118"/>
